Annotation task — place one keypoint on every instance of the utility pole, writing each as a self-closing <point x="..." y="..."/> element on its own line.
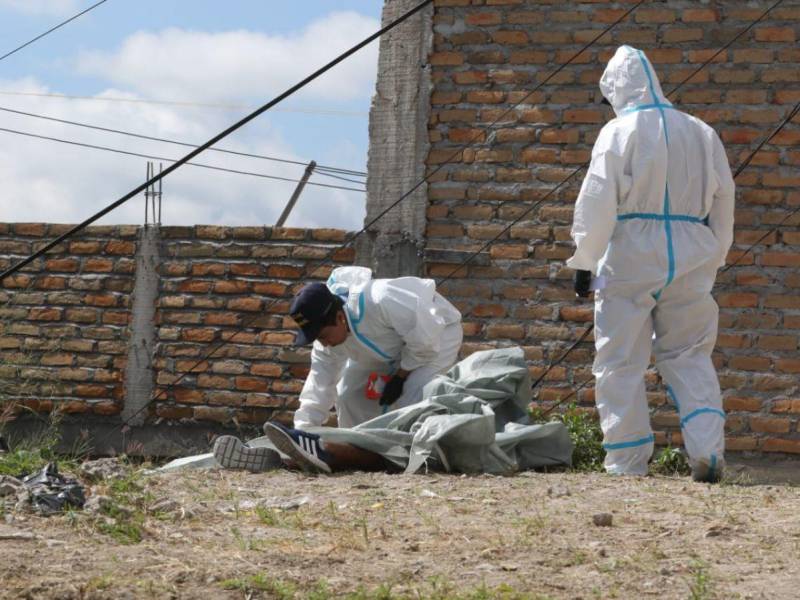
<point x="152" y="197"/>
<point x="297" y="191"/>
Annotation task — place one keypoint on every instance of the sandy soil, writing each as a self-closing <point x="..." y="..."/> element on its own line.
<point x="228" y="534"/>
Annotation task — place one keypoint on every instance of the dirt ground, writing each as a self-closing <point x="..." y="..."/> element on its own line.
<point x="229" y="534"/>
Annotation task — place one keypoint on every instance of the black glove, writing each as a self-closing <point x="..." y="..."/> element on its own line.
<point x="392" y="391"/>
<point x="583" y="281"/>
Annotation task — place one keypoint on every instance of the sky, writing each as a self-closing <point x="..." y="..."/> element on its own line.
<point x="184" y="70"/>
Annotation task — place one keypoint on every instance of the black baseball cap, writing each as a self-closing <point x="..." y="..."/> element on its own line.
<point x="310" y="308"/>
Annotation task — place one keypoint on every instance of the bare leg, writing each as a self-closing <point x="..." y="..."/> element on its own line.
<point x="346" y="457"/>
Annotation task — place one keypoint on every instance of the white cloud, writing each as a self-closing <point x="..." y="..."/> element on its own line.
<point x="40" y="7"/>
<point x="52" y="182"/>
<point x="235" y="65"/>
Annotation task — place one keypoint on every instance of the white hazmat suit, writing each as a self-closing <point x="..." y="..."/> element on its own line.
<point x="654" y="220"/>
<point x="394" y="323"/>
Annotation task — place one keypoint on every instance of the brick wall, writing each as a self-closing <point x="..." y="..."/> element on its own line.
<point x="213" y="280"/>
<point x="488" y="54"/>
<point x="65" y="322"/>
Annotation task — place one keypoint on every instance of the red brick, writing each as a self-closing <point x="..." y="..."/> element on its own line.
<point x="781" y="445"/>
<point x="777" y="342"/>
<point x="208" y="413"/>
<point x="786" y="406"/>
<point x="749" y="363"/>
<point x="775" y="34"/>
<point x="505" y="331"/>
<point x="483" y="18"/>
<point x="120" y="247"/>
<point x="699" y="15"/>
<point x="44" y="314"/>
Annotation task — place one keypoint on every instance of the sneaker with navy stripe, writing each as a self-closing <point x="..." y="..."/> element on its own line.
<point x="303" y="448"/>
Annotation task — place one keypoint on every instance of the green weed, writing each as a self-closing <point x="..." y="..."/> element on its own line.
<point x="700" y="584"/>
<point x="585" y="433"/>
<point x="670" y="461"/>
<point x="276" y="588"/>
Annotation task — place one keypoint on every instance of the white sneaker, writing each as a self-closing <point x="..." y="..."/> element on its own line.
<point x="231" y="453"/>
<point x="303" y="448"/>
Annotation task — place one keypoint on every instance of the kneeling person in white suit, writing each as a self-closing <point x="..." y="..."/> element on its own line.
<point x="376" y="343"/>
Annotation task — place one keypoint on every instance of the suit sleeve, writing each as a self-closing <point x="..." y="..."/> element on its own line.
<point x="720" y="217"/>
<point x="419" y="315"/>
<point x="319" y="391"/>
<point x="596" y="207"/>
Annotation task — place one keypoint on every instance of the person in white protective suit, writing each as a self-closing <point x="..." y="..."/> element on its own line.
<point x="376" y="343"/>
<point x="653" y="223"/>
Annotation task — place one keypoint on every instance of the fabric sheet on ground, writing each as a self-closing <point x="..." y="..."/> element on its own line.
<point x="472" y="419"/>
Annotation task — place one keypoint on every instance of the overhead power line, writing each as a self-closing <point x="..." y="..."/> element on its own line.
<point x="329" y="256"/>
<point x="220" y="136"/>
<point x="177" y="143"/>
<point x="173" y="160"/>
<point x="51" y="30"/>
<point x="217" y="105"/>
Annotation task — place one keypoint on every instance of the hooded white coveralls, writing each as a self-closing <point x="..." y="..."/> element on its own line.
<point x="394" y="323"/>
<point x="654" y="218"/>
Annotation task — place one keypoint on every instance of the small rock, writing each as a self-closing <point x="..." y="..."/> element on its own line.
<point x="281" y="504"/>
<point x="558" y="492"/>
<point x="603" y="519"/>
<point x="509" y="567"/>
<point x="98" y="503"/>
<point x="103" y="469"/>
<point x="426" y="493"/>
<point x="165" y="505"/>
<point x="9" y="486"/>
<point x="10" y="533"/>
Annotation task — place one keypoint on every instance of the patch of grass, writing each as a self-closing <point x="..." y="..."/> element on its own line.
<point x="30" y="454"/>
<point x="276" y="588"/>
<point x="436" y="588"/>
<point x="700" y="587"/>
<point x="585" y="433"/>
<point x="99" y="582"/>
<point x="670" y="461"/>
<point x="123" y="519"/>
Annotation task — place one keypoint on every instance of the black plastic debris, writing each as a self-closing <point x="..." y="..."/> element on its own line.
<point x="51" y="492"/>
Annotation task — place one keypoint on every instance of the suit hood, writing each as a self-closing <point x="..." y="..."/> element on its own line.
<point x="630" y="81"/>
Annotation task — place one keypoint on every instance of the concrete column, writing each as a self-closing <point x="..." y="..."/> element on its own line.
<point x="139" y="373"/>
<point x="398" y="145"/>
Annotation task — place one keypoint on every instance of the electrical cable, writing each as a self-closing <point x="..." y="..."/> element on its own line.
<point x="305" y="111"/>
<point x="173" y="160"/>
<point x="223" y="134"/>
<point x="51" y="30"/>
<point x="580" y="168"/>
<point x="745" y="163"/>
<point x="331" y="253"/>
<point x="169" y="141"/>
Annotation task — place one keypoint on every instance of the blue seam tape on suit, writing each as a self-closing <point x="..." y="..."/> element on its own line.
<point x="667" y="226"/>
<point x="701" y="411"/>
<point x="658" y="217"/>
<point x="364" y="339"/>
<point x="633" y="444"/>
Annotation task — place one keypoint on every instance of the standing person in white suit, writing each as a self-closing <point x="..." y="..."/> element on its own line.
<point x="376" y="343"/>
<point x="653" y="222"/>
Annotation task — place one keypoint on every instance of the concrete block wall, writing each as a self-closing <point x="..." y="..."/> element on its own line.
<point x="487" y="56"/>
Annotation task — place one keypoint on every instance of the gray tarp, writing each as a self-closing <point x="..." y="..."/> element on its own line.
<point x="473" y="419"/>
